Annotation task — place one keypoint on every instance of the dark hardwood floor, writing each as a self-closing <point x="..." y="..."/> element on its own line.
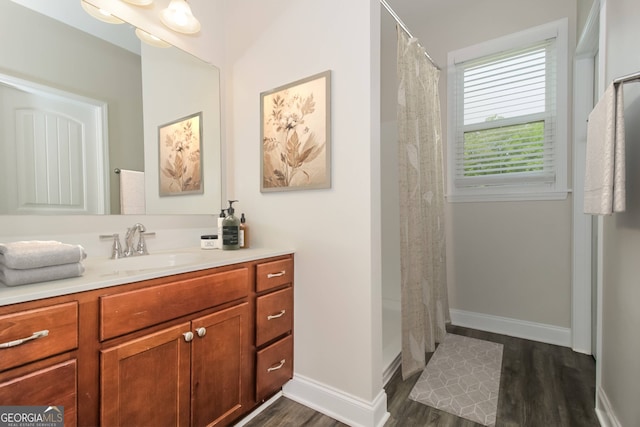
<point x="541" y="385"/>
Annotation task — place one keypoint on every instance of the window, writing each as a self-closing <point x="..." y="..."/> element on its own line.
<point x="508" y="117"/>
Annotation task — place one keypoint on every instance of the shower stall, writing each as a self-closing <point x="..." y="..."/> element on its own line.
<point x="391" y="318"/>
<point x="391" y="313"/>
<point x="412" y="177"/>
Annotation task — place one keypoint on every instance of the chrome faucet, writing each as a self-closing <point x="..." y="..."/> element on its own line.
<point x="141" y="247"/>
<point x="116" y="247"/>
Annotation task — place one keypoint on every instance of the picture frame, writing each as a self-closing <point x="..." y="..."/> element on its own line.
<point x="295" y="131"/>
<point x="180" y="156"/>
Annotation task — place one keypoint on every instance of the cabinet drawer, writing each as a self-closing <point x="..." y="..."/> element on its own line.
<point x="274" y="367"/>
<point x="274" y="315"/>
<point x="20" y="342"/>
<point x="273" y="274"/>
<point x="54" y="386"/>
<point x="134" y="310"/>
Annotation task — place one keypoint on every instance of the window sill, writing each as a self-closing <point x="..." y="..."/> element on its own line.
<point x="508" y="197"/>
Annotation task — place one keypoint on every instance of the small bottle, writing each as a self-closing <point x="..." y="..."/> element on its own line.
<point x="244" y="232"/>
<point x="220" y="219"/>
<point x="231" y="229"/>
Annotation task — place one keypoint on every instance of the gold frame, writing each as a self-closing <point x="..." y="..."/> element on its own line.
<point x="295" y="133"/>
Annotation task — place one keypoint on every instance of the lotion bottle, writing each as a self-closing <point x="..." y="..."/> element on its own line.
<point x="231" y="229"/>
<point x="244" y="232"/>
<point x="220" y="219"/>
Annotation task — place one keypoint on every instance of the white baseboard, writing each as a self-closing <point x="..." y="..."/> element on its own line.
<point x="604" y="411"/>
<point x="337" y="404"/>
<point x="513" y="327"/>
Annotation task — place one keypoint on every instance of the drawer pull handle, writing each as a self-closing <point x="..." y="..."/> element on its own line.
<point x="188" y="336"/>
<point x="201" y="332"/>
<point x="278" y="274"/>
<point x="275" y="316"/>
<point x="35" y="336"/>
<point x="276" y="367"/>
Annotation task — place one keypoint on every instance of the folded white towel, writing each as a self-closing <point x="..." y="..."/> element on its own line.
<point x="36" y="253"/>
<point x="13" y="277"/>
<point x="604" y="182"/>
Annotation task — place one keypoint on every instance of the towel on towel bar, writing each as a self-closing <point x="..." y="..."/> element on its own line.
<point x="13" y="277"/>
<point x="39" y="253"/>
<point x="132" y="200"/>
<point x="604" y="182"/>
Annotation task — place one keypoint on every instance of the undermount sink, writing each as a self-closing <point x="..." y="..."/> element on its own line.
<point x="149" y="262"/>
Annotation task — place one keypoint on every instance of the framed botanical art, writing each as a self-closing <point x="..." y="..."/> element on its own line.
<point x="180" y="149"/>
<point x="296" y="135"/>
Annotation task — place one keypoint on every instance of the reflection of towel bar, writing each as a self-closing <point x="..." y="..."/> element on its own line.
<point x="117" y="170"/>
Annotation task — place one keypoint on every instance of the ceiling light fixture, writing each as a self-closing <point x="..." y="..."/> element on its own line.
<point x="139" y="2"/>
<point x="100" y="14"/>
<point x="178" y="17"/>
<point x="151" y="39"/>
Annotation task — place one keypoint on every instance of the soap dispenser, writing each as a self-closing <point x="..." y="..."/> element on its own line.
<point x="231" y="229"/>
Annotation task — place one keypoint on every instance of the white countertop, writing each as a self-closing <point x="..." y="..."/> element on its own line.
<point x="101" y="272"/>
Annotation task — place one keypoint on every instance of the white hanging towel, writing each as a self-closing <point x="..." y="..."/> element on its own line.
<point x="132" y="192"/>
<point x="604" y="182"/>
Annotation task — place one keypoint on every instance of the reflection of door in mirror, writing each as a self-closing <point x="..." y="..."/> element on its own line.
<point x="53" y="149"/>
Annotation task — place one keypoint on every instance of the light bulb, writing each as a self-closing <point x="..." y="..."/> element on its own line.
<point x="178" y="17"/>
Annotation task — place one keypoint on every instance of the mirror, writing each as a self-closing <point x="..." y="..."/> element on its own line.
<point x="52" y="54"/>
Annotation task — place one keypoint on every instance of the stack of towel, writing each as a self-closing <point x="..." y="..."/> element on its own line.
<point x="38" y="261"/>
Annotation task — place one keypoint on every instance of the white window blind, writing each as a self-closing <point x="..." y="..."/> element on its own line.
<point x="504" y="124"/>
<point x="508" y="110"/>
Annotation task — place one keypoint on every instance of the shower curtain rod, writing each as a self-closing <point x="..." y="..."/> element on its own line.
<point x="405" y="29"/>
<point x="628" y="78"/>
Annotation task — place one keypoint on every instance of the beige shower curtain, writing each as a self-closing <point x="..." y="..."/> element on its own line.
<point x="425" y="307"/>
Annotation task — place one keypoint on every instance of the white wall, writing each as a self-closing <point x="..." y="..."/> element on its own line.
<point x="336" y="231"/>
<point x="584" y="7"/>
<point x="620" y="370"/>
<point x="511" y="260"/>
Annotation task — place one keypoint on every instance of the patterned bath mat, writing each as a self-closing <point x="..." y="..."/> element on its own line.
<point x="462" y="378"/>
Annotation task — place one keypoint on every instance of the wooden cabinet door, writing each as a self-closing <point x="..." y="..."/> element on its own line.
<point x="145" y="382"/>
<point x="51" y="386"/>
<point x="221" y="366"/>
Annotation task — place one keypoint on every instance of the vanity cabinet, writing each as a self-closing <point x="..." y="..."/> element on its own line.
<point x="196" y="371"/>
<point x="38" y="366"/>
<point x="202" y="348"/>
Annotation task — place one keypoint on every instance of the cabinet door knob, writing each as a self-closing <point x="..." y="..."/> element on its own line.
<point x="188" y="336"/>
<point x="276" y="367"/>
<point x="275" y="316"/>
<point x="201" y="332"/>
<point x="278" y="274"/>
